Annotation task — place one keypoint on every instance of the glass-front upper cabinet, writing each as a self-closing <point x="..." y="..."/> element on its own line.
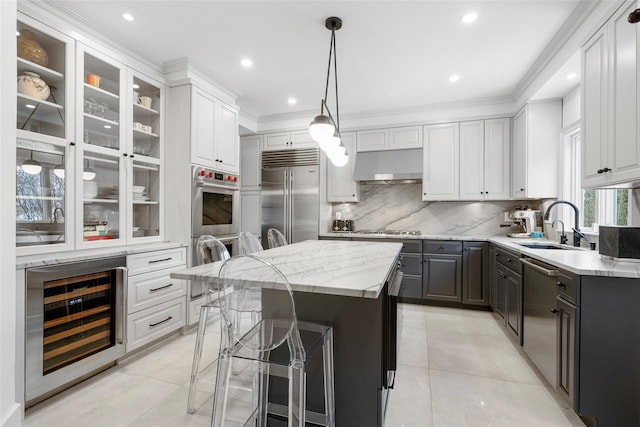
<point x="101" y="209"/>
<point x="147" y="103"/>
<point x="44" y="81"/>
<point x="44" y="202"/>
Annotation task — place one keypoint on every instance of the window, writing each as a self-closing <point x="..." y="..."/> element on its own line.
<point x="597" y="207"/>
<point x="39" y="195"/>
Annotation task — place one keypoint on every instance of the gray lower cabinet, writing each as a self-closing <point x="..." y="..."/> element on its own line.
<point x="442" y="277"/>
<point x="411" y="267"/>
<point x="507" y="281"/>
<point x="567" y="330"/>
<point x="475" y="273"/>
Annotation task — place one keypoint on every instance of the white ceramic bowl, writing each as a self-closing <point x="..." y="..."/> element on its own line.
<point x="90" y="189"/>
<point x="31" y="84"/>
<point x="138" y="188"/>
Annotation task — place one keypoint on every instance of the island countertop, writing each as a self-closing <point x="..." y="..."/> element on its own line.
<point x="356" y="269"/>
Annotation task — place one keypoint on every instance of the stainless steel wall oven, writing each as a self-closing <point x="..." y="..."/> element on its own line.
<point x="75" y="323"/>
<point x="215" y="203"/>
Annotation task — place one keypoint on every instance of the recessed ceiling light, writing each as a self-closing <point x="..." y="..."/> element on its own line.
<point x="454" y="78"/>
<point x="30" y="106"/>
<point x="17" y="33"/>
<point x="127" y="17"/>
<point x="246" y="63"/>
<point x="136" y="86"/>
<point x="469" y="17"/>
<point x="107" y="126"/>
<point x="571" y="76"/>
<point x="292" y="101"/>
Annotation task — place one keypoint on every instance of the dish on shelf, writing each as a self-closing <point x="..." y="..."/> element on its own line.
<point x="135" y="228"/>
<point x="30" y="49"/>
<point x="138" y="188"/>
<point x="31" y="84"/>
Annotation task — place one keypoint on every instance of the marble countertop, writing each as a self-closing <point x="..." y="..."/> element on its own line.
<point x="40" y="260"/>
<point x="579" y="260"/>
<point x="363" y="235"/>
<point x="344" y="268"/>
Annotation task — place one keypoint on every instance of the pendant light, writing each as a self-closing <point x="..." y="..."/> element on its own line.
<point x="89" y="173"/>
<point x="58" y="170"/>
<point x="324" y="129"/>
<point x="31" y="166"/>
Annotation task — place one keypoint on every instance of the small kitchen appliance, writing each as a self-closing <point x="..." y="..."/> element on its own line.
<point x="525" y="221"/>
<point x="619" y="242"/>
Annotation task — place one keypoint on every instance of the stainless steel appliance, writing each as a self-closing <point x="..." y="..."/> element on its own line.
<point x="540" y="340"/>
<point x="197" y="288"/>
<point x="75" y="323"/>
<point x="290" y="193"/>
<point x="215" y="203"/>
<point x="524" y="222"/>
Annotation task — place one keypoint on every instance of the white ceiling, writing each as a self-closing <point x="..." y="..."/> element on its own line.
<point x="391" y="54"/>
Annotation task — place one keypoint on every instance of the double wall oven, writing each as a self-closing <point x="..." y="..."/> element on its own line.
<point x="215" y="211"/>
<point x="75" y="323"/>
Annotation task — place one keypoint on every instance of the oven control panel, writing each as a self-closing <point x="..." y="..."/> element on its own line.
<point x="215" y="177"/>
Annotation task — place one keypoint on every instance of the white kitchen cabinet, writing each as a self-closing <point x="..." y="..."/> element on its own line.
<point x="484" y="159"/>
<point x="156" y="303"/>
<point x="441" y="152"/>
<point x="389" y="139"/>
<point x="297" y="139"/>
<point x="214" y="132"/>
<point x="123" y="143"/>
<point x="45" y="202"/>
<point x="250" y="166"/>
<point x="610" y="103"/>
<point x="536" y="133"/>
<point x="340" y="184"/>
<point x="251" y="212"/>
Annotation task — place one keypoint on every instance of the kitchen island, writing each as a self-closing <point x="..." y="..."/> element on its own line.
<point x="347" y="285"/>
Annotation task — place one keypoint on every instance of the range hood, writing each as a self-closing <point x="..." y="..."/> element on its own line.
<point x="389" y="166"/>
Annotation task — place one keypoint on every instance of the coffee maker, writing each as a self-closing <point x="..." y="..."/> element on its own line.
<point x="524" y="222"/>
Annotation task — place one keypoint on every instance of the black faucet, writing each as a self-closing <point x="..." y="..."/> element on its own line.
<point x="563" y="237"/>
<point x="576" y="230"/>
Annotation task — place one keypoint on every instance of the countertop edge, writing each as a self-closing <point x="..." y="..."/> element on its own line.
<point x="39" y="260"/>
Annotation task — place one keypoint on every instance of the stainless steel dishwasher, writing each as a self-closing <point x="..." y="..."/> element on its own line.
<point x="540" y="340"/>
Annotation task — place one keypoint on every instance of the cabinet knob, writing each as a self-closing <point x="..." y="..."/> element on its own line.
<point x="125" y="154"/>
<point x="561" y="285"/>
<point x="504" y="276"/>
<point x="131" y="156"/>
<point x="554" y="311"/>
<point x="72" y="143"/>
<point x="522" y="189"/>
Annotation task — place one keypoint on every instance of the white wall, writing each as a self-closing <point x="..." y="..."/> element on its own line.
<point x="10" y="408"/>
<point x="571" y="107"/>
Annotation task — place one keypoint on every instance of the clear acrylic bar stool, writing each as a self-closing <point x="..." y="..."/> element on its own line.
<point x="275" y="238"/>
<point x="248" y="243"/>
<point x="255" y="340"/>
<point x="208" y="249"/>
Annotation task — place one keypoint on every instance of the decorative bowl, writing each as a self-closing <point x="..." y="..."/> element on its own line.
<point x="29" y="49"/>
<point x="32" y="85"/>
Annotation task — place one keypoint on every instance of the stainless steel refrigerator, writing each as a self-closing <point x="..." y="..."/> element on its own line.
<point x="290" y="194"/>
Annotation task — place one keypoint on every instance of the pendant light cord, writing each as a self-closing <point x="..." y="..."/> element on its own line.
<point x="332" y="55"/>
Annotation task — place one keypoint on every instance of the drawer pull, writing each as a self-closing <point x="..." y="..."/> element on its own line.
<point x="161" y="288"/>
<point x="153" y="261"/>
<point x="561" y="285"/>
<point x="554" y="311"/>
<point x="151" y="325"/>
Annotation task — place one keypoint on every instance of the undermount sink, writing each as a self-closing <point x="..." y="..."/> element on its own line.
<point x="546" y="246"/>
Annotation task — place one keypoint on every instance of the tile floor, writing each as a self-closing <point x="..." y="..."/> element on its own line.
<point x="456" y="368"/>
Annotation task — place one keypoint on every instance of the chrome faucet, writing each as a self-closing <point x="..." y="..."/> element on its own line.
<point x="54" y="218"/>
<point x="563" y="237"/>
<point x="576" y="229"/>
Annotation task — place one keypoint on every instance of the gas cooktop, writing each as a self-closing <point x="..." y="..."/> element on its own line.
<point x="391" y="232"/>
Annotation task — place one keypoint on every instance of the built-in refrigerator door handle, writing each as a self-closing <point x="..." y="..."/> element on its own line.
<point x="291" y="204"/>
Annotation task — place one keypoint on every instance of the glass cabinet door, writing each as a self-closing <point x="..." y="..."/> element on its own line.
<point x="41" y="195"/>
<point x="44" y="85"/>
<point x="147" y="102"/>
<point x="101" y="101"/>
<point x="145" y="199"/>
<point x="101" y="177"/>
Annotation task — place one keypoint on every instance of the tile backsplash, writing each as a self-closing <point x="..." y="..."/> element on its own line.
<point x="400" y="207"/>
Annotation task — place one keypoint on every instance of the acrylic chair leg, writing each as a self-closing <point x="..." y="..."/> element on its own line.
<point x="297" y="395"/>
<point x="197" y="355"/>
<point x="262" y="393"/>
<point x="221" y="393"/>
<point x="329" y="385"/>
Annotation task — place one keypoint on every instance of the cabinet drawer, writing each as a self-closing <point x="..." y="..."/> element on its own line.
<point x="437" y="247"/>
<point x="568" y="284"/>
<point x="152" y="323"/>
<point x="153" y="261"/>
<point x="411" y="264"/>
<point x="411" y="287"/>
<point x="509" y="259"/>
<point x="412" y="246"/>
<point x="149" y="289"/>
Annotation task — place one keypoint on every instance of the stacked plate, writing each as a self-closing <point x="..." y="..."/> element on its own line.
<point x="139" y="193"/>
